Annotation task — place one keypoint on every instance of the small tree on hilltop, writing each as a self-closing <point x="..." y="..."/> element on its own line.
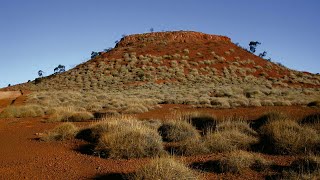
<point x="94" y="54"/>
<point x="59" y="69"/>
<point x="108" y="49"/>
<point x="253" y="45"/>
<point x="40" y="73"/>
<point x="263" y="54"/>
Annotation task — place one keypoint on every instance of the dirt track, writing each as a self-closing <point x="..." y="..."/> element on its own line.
<point x="7" y="98"/>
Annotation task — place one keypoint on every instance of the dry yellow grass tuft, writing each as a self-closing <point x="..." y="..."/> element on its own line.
<point x="238" y="161"/>
<point x="177" y="130"/>
<point x="64" y="131"/>
<point x="231" y="135"/>
<point x="29" y="110"/>
<point x="128" y="138"/>
<point x="107" y="125"/>
<point x="238" y="125"/>
<point x="191" y="147"/>
<point x="165" y="168"/>
<point x="225" y="141"/>
<point x="69" y="114"/>
<point x="288" y="137"/>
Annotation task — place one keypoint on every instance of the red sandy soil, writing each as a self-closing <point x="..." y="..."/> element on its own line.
<point x="23" y="156"/>
<point x="247" y="113"/>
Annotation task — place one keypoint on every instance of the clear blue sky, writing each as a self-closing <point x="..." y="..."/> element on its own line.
<point x="38" y="34"/>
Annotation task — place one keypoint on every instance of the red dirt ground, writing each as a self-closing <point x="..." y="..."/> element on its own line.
<point x="23" y="156"/>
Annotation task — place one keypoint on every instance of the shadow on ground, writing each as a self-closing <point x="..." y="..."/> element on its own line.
<point x="113" y="176"/>
<point x="208" y="166"/>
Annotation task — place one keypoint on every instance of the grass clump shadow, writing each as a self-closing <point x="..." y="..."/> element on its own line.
<point x="202" y="122"/>
<point x="268" y="117"/>
<point x="93" y="133"/>
<point x="303" y="168"/>
<point x="311" y="119"/>
<point x="314" y="103"/>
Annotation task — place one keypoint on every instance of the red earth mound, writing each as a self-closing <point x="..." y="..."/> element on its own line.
<point x="199" y="47"/>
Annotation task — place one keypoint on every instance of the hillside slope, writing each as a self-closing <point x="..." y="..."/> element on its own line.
<point x="182" y="67"/>
<point x="181" y="57"/>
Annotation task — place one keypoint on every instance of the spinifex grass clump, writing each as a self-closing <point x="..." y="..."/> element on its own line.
<point x="178" y="130"/>
<point x="288" y="137"/>
<point x="69" y="114"/>
<point x="165" y="168"/>
<point x="230" y="136"/>
<point x="61" y="132"/>
<point x="29" y="110"/>
<point x="238" y="161"/>
<point x="128" y="138"/>
<point x="190" y="147"/>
